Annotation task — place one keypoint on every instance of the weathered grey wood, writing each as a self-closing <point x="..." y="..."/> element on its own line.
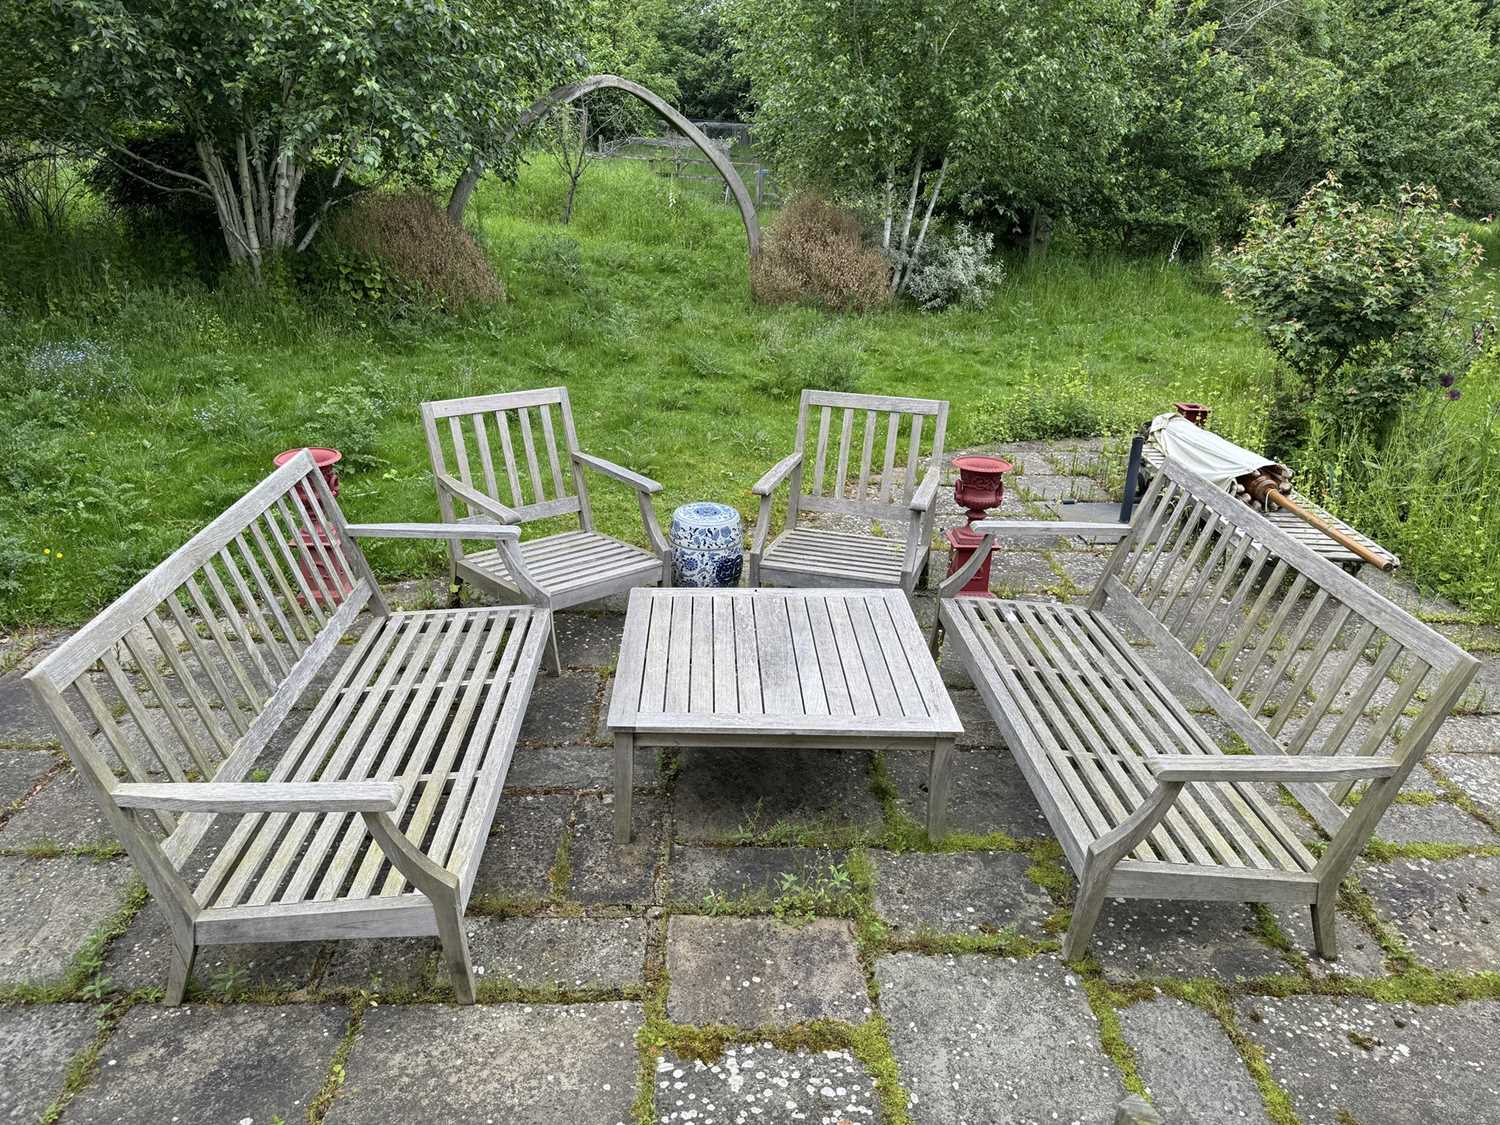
<point x="1143" y="802"/>
<point x="803" y="555"/>
<point x="553" y="571"/>
<point x="414" y="735"/>
<point x="801" y="667"/>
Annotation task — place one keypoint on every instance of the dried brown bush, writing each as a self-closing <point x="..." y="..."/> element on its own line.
<point x="815" y="254"/>
<point x="418" y="247"/>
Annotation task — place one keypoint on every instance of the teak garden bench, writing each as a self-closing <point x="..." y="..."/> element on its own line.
<point x="1203" y="602"/>
<point x="898" y="494"/>
<point x="540" y="481"/>
<point x="379" y="790"/>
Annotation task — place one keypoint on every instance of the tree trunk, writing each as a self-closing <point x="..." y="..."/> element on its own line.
<point x="462" y="191"/>
<point x="911" y="210"/>
<point x="888" y="207"/>
<point x="916" y="251"/>
<point x="568" y="203"/>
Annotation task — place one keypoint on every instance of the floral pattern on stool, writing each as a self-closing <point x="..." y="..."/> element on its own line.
<point x="707" y="545"/>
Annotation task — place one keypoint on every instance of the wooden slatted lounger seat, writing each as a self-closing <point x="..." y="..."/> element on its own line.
<point x="1328" y="683"/>
<point x="385" y="748"/>
<point x="1152" y="460"/>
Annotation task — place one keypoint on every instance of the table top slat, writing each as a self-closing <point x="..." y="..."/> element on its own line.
<point x="679" y="655"/>
<point x="835" y="687"/>
<point x="887" y="702"/>
<point x="778" y="671"/>
<point x="809" y="671"/>
<point x="747" y="660"/>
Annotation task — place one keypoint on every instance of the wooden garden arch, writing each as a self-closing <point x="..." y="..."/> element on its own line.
<point x="575" y="90"/>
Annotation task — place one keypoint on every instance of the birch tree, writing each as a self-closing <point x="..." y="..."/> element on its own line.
<point x="265" y="87"/>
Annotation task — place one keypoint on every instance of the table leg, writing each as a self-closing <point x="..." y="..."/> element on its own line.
<point x="624" y="784"/>
<point x="939" y="778"/>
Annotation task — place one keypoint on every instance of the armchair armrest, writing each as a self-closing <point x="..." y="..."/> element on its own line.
<point x="776" y="474"/>
<point x="253" y="796"/>
<point x="477" y="500"/>
<point x="926" y="492"/>
<point x="618" y="472"/>
<point x="1051" y="529"/>
<point x="435" y="531"/>
<point x="1267" y="767"/>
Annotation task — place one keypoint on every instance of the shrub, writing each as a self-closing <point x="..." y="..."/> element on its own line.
<point x="959" y="269"/>
<point x="816" y="255"/>
<point x="1052" y="407"/>
<point x="1361" y="303"/>
<point x="403" y="246"/>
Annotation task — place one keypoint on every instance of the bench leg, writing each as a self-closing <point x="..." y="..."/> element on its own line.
<point x="1086" y="908"/>
<point x="554" y="658"/>
<point x="935" y="634"/>
<point x="450" y="919"/>
<point x="179" y="972"/>
<point x="939" y="780"/>
<point x="624" y="785"/>
<point x="1325" y="930"/>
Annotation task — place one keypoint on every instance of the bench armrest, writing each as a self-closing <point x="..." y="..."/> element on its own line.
<point x="1051" y="529"/>
<point x="926" y="492"/>
<point x="776" y="474"/>
<point x="435" y="531"/>
<point x="1267" y="767"/>
<point x="477" y="500"/>
<point x="618" y="472"/>
<point x="255" y="796"/>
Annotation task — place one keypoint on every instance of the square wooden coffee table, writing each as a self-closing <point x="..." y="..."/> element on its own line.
<point x="768" y="667"/>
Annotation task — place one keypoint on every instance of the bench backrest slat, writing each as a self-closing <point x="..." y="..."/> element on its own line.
<point x="906" y="434"/>
<point x="515" y="448"/>
<point x="1299" y="656"/>
<point x="188" y="674"/>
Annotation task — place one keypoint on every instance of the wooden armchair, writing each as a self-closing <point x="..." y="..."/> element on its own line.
<point x="895" y="496"/>
<point x="498" y="456"/>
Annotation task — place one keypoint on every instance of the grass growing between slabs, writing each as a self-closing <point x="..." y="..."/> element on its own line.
<point x="641" y="307"/>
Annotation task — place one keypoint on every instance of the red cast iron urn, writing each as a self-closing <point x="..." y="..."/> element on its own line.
<point x="980" y="486"/>
<point x="315" y="553"/>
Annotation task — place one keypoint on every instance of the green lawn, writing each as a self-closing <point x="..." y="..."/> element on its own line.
<point x="640" y="307"/>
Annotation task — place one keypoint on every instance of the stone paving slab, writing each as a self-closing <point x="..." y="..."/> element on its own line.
<point x="763" y="1084"/>
<point x="568" y="953"/>
<point x="492" y="1064"/>
<point x="1360" y="954"/>
<point x="142" y="955"/>
<point x="995" y="1040"/>
<point x="959" y="892"/>
<point x="1143" y="938"/>
<point x="575" y="767"/>
<point x="51" y="908"/>
<point x="522" y="847"/>
<point x="1478" y="775"/>
<point x="22" y="723"/>
<point x="1016" y="571"/>
<point x="1083" y="568"/>
<point x="588" y="640"/>
<point x="384" y="966"/>
<point x="221" y="1064"/>
<point x="63" y="814"/>
<point x="1448" y="911"/>
<point x="721" y="792"/>
<point x="988" y="793"/>
<point x="756" y="972"/>
<point x="561" y="708"/>
<point x="1437" y="823"/>
<point x="1468" y="734"/>
<point x="1191" y="1070"/>
<point x="1347" y="1059"/>
<point x="603" y="871"/>
<point x="20" y="770"/>
<point x="738" y="873"/>
<point x="36" y="1045"/>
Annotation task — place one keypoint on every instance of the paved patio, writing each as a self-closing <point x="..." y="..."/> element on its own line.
<point x="775" y="945"/>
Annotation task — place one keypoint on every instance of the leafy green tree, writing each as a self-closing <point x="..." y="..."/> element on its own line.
<point x="264" y="87"/>
<point x="1365" y="304"/>
<point x="700" y="56"/>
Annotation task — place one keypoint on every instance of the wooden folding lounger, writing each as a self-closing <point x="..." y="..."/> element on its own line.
<point x="1327" y="683"/>
<point x="384" y="738"/>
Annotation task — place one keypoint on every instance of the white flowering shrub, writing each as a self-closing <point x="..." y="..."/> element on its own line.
<point x="959" y="268"/>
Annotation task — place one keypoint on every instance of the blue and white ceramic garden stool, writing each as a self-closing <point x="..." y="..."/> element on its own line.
<point x="707" y="545"/>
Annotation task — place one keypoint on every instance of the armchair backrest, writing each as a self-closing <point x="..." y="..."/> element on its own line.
<point x="188" y="674"/>
<point x="515" y="448"/>
<point x="834" y="428"/>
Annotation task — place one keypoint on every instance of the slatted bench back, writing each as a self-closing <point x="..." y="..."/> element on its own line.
<point x="188" y="674"/>
<point x="515" y="448"/>
<point x="893" y="440"/>
<point x="1298" y="655"/>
